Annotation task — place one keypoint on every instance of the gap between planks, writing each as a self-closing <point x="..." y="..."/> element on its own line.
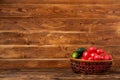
<point x="63" y="45"/>
<point x="47" y="31"/>
<point x="66" y="45"/>
<point x="39" y="31"/>
<point x="53" y="17"/>
<point x="41" y="59"/>
<point x="60" y="3"/>
<point x="36" y="59"/>
<point x="77" y="3"/>
<point x="74" y="18"/>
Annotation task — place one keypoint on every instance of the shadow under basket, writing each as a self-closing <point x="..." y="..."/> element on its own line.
<point x="90" y="67"/>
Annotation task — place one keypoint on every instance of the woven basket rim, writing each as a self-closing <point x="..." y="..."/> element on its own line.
<point x="90" y="60"/>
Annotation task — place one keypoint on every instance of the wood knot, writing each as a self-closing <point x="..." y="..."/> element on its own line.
<point x="22" y="10"/>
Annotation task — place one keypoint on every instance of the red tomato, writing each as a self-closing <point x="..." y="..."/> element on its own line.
<point x="97" y="57"/>
<point x="106" y="57"/>
<point x="92" y="49"/>
<point x="110" y="57"/>
<point x="91" y="58"/>
<point x="93" y="54"/>
<point x="99" y="51"/>
<point x="86" y="55"/>
<point x="101" y="58"/>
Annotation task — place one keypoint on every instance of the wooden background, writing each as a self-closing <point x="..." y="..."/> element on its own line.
<point x="43" y="33"/>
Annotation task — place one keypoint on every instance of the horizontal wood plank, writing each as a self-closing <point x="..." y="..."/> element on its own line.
<point x="60" y="11"/>
<point x="54" y="74"/>
<point x="58" y="38"/>
<point x="105" y="25"/>
<point x="33" y="63"/>
<point x="25" y="52"/>
<point x="45" y="24"/>
<point x="40" y="24"/>
<point x="60" y="1"/>
<point x="42" y="38"/>
<point x="55" y="51"/>
<point x="104" y="38"/>
<point x="39" y="63"/>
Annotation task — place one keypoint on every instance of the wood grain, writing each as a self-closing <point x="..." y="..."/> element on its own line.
<point x="48" y="51"/>
<point x="43" y="33"/>
<point x="45" y="51"/>
<point x="55" y="38"/>
<point x="60" y="1"/>
<point x="106" y="38"/>
<point x="60" y="11"/>
<point x="54" y="74"/>
<point x="42" y="38"/>
<point x="105" y="25"/>
<point x="33" y="63"/>
<point x="45" y="24"/>
<point x="40" y="63"/>
<point x="40" y="24"/>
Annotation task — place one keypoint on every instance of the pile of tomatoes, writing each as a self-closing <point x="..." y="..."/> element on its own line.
<point x="92" y="53"/>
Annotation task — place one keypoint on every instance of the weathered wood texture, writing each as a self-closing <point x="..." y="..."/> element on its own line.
<point x="61" y="11"/>
<point x="34" y="63"/>
<point x="57" y="74"/>
<point x="42" y="38"/>
<point x="48" y="51"/>
<point x="55" y="38"/>
<point x="45" y="24"/>
<point x="43" y="33"/>
<point x="58" y="24"/>
<point x="41" y="63"/>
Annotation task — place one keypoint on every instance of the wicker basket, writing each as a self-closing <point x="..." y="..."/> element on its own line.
<point x="90" y="67"/>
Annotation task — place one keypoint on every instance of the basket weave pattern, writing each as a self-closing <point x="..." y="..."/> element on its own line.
<point x="90" y="67"/>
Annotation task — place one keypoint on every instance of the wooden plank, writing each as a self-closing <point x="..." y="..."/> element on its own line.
<point x="33" y="63"/>
<point x="25" y="52"/>
<point x="48" y="51"/>
<point x="54" y="74"/>
<point x="42" y="38"/>
<point x="60" y="1"/>
<point x="106" y="38"/>
<point x="58" y="38"/>
<point x="45" y="24"/>
<point x="37" y="24"/>
<point x="40" y="63"/>
<point x="60" y="11"/>
<point x="105" y="25"/>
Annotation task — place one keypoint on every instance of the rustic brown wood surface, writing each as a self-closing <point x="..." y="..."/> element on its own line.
<point x="60" y="10"/>
<point x="59" y="24"/>
<point x="42" y="38"/>
<point x="34" y="63"/>
<point x="43" y="33"/>
<point x="54" y="74"/>
<point x="47" y="51"/>
<point x="41" y="63"/>
<point x="56" y="38"/>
